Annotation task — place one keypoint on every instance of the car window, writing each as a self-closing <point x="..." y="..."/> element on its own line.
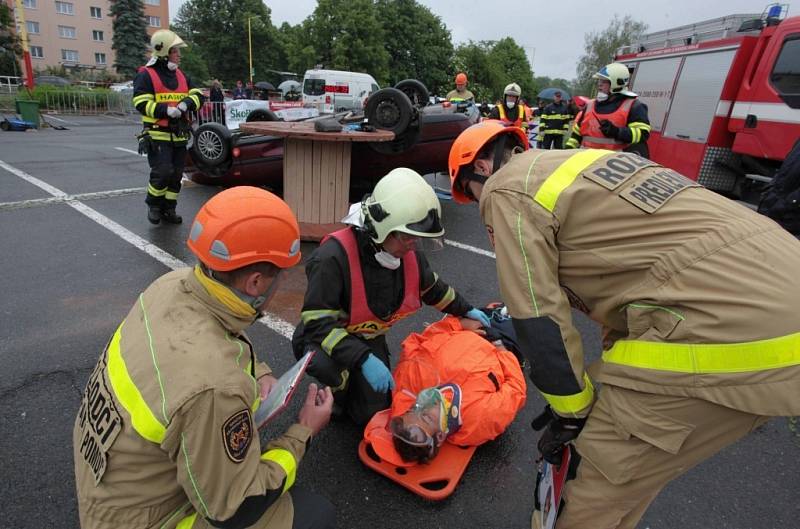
<point x="375" y="87"/>
<point x="786" y="72"/>
<point x="314" y="87"/>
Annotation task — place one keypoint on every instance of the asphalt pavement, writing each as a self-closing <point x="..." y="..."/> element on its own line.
<point x="76" y="251"/>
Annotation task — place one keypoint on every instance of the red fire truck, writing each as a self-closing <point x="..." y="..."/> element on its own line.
<point x="723" y="96"/>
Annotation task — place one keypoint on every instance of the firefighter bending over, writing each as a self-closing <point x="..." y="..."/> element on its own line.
<point x="694" y="358"/>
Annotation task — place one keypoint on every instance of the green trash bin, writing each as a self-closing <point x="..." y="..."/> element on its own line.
<point x="28" y="110"/>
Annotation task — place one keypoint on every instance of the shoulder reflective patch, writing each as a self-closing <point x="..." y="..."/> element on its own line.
<point x="615" y="170"/>
<point x="237" y="434"/>
<point x="99" y="421"/>
<point x="656" y="190"/>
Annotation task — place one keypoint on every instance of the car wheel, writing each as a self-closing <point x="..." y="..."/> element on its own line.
<point x="5" y="125"/>
<point x="212" y="144"/>
<point x="262" y="114"/>
<point x="416" y="92"/>
<point x="389" y="109"/>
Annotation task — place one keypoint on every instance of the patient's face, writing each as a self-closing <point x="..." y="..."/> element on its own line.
<point x="425" y="421"/>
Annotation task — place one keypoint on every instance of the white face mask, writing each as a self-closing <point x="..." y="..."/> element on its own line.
<point x="602" y="96"/>
<point x="172" y="66"/>
<point x="510" y="103"/>
<point x="387" y="260"/>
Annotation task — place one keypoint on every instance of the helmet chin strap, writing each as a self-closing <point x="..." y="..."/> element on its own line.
<point x="468" y="174"/>
<point x="499" y="149"/>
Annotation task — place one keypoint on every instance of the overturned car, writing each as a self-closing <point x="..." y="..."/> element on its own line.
<point x="423" y="135"/>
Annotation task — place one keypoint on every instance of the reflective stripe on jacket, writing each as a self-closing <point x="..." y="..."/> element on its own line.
<point x="593" y="137"/>
<point x="181" y="376"/>
<point x="697" y="294"/>
<point x="165" y="95"/>
<point x="555" y="119"/>
<point x="520" y="115"/>
<point x="361" y="320"/>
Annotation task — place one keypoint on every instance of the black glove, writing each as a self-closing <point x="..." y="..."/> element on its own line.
<point x="608" y="129"/>
<point x="558" y="431"/>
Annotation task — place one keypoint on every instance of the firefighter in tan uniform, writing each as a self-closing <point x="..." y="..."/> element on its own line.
<point x="697" y="294"/>
<point x="165" y="436"/>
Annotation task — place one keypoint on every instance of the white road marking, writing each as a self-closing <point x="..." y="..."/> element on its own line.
<point x="50" y="116"/>
<point x="119" y="119"/>
<point x="274" y="322"/>
<point x="21" y="204"/>
<point x="277" y="324"/>
<point x="469" y="248"/>
<point x="123" y="149"/>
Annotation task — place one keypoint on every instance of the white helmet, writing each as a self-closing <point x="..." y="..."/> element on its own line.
<point x="618" y="75"/>
<point x="512" y="89"/>
<point x="402" y="201"/>
<point x="164" y="39"/>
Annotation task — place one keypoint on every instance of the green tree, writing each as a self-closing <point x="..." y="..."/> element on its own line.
<point x="484" y="77"/>
<point x="194" y="65"/>
<point x="516" y="68"/>
<point x="600" y="46"/>
<point x="222" y="41"/>
<point x="491" y="65"/>
<point x="296" y="43"/>
<point x="10" y="47"/>
<point x="130" y="35"/>
<point x="347" y="35"/>
<point x="418" y="42"/>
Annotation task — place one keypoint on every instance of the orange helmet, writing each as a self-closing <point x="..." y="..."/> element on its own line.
<point x="467" y="146"/>
<point x="245" y="225"/>
<point x="461" y="78"/>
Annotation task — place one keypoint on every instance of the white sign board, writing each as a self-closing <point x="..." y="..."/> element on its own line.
<point x="296" y="114"/>
<point x="237" y="110"/>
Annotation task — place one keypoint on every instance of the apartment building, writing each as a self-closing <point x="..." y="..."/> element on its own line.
<point x="79" y="33"/>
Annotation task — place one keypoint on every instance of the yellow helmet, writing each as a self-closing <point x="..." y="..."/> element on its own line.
<point x="402" y="201"/>
<point x="164" y="39"/>
<point x="615" y="73"/>
<point x="512" y="89"/>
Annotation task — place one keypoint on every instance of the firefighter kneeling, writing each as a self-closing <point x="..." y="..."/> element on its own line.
<point x="165" y="435"/>
<point x="697" y="294"/>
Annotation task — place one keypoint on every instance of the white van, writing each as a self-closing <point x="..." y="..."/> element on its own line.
<point x="332" y="91"/>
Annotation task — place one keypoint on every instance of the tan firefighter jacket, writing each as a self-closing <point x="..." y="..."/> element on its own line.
<point x="700" y="293"/>
<point x="165" y="431"/>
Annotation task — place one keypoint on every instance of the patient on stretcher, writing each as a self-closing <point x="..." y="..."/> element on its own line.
<point x="452" y="384"/>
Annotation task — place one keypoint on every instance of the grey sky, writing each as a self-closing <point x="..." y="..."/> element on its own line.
<point x="552" y="33"/>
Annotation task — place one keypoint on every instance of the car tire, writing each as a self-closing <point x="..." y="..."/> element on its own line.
<point x="262" y="114"/>
<point x="416" y="92"/>
<point x="389" y="109"/>
<point x="5" y="125"/>
<point x="212" y="145"/>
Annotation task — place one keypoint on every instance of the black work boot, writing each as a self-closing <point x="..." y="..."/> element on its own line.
<point x="171" y="217"/>
<point x="154" y="214"/>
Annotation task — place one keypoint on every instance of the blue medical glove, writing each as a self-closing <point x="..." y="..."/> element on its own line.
<point x="479" y="316"/>
<point x="377" y="374"/>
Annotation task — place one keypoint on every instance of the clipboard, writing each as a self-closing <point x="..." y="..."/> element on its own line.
<point x="281" y="393"/>
<point x="551" y="485"/>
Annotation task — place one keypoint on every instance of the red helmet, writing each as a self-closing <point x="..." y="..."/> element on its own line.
<point x="461" y="78"/>
<point x="467" y="146"/>
<point x="245" y="225"/>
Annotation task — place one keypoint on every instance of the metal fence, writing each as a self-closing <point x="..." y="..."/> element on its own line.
<point x="212" y="111"/>
<point x="86" y="103"/>
<point x="9" y="84"/>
